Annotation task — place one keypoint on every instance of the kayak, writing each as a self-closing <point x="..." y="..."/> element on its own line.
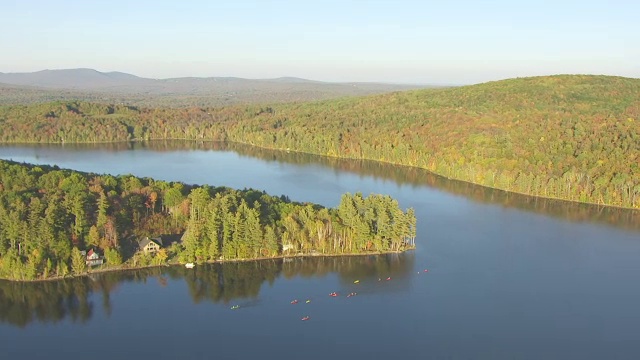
<point x="357" y="281"/>
<point x="294" y="302"/>
<point x="305" y="318"/>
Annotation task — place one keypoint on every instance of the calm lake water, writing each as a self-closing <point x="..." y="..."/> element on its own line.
<point x="510" y="277"/>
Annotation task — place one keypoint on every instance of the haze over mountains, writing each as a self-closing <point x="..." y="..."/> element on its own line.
<point x="84" y="79"/>
<point x="90" y="84"/>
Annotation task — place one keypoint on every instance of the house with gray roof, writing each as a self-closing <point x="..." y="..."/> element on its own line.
<point x="150" y="245"/>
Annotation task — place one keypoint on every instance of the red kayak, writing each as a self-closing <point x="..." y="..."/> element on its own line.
<point x="294" y="302"/>
<point x="334" y="294"/>
<point x="305" y="318"/>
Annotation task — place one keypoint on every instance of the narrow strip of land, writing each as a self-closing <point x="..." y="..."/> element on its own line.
<point x="55" y="223"/>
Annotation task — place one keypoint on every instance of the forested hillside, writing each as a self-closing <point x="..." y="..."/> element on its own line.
<point x="47" y="215"/>
<point x="570" y="137"/>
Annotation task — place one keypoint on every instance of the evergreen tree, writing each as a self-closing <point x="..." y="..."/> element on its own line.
<point x="78" y="262"/>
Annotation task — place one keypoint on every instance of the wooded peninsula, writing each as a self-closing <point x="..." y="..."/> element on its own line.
<point x="570" y="137"/>
<point x="49" y="215"/>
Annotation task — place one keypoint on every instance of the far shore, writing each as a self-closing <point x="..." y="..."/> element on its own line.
<point x="106" y="269"/>
<point x="135" y="140"/>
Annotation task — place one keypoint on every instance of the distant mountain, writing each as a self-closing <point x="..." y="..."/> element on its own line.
<point x="85" y="79"/>
<point x="297" y="80"/>
<point x="90" y="84"/>
<point x="90" y="79"/>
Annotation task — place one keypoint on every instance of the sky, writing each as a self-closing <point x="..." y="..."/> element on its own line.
<point x="447" y="42"/>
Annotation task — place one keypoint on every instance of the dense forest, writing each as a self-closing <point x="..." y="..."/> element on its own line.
<point x="572" y="137"/>
<point x="48" y="215"/>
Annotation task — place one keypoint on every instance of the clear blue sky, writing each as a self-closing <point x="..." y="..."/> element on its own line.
<point x="437" y="42"/>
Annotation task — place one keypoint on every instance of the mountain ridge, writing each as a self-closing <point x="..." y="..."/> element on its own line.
<point x="118" y="87"/>
<point x="91" y="79"/>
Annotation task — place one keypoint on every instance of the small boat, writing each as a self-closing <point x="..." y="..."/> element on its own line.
<point x="357" y="281"/>
<point x="334" y="294"/>
<point x="305" y="318"/>
<point x="235" y="307"/>
<point x="308" y="301"/>
<point x="294" y="302"/>
<point x="425" y="270"/>
<point x="389" y="278"/>
<point x="189" y="265"/>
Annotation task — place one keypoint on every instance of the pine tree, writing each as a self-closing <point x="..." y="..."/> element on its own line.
<point x="103" y="206"/>
<point x="271" y="247"/>
<point x="212" y="228"/>
<point x="78" y="262"/>
<point x="113" y="257"/>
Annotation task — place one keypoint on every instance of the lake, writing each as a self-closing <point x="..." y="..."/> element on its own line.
<point x="509" y="276"/>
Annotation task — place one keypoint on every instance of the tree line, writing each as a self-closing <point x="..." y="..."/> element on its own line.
<point x="48" y="215"/>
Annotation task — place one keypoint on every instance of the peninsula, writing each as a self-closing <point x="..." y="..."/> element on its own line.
<point x="57" y="222"/>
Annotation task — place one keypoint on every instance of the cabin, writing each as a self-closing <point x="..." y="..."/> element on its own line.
<point x="150" y="245"/>
<point x="93" y="258"/>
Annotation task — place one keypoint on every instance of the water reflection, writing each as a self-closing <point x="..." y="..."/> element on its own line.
<point x="74" y="299"/>
<point x="401" y="175"/>
<point x="47" y="302"/>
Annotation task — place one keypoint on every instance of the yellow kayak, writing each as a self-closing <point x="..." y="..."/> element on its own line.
<point x="357" y="281"/>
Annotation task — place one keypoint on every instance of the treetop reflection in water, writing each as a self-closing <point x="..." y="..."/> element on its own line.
<point x="401" y="175"/>
<point x="73" y="299"/>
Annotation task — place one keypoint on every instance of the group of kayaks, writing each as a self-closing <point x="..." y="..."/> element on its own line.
<point x="293" y="302"/>
<point x="332" y="294"/>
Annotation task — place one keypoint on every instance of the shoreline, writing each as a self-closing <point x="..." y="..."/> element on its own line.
<point x="169" y="264"/>
<point x="335" y="157"/>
